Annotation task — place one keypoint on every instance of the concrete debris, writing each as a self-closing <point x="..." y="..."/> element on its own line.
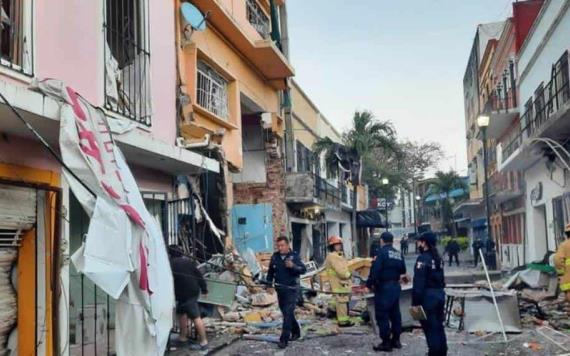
<point x="263" y="299"/>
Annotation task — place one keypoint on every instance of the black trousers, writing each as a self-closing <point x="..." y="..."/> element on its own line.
<point x="433" y="326"/>
<point x="476" y="257"/>
<point x="287" y="301"/>
<point x="452" y="256"/>
<point x="387" y="311"/>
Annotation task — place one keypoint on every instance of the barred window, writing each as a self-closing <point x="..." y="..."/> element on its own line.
<point x="127" y="59"/>
<point x="212" y="91"/>
<point x="257" y="18"/>
<point x="16" y="35"/>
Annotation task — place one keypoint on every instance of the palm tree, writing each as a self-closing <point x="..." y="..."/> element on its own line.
<point x="443" y="184"/>
<point x="366" y="136"/>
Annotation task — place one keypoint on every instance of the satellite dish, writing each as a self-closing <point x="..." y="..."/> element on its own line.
<point x="193" y="17"/>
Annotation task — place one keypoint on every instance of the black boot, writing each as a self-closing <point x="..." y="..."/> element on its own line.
<point x="384" y="347"/>
<point x="282" y="344"/>
<point x="396" y="344"/>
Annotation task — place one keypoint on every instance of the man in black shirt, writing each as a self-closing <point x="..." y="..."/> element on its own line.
<point x="452" y="250"/>
<point x="188" y="283"/>
<point x="284" y="271"/>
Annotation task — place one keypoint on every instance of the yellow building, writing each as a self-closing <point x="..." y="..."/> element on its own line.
<point x="319" y="206"/>
<point x="233" y="79"/>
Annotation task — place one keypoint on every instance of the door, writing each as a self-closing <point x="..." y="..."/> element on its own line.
<point x="252" y="227"/>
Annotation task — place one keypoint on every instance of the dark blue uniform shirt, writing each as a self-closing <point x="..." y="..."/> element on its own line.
<point x="427" y="275"/>
<point x="387" y="267"/>
<point x="282" y="275"/>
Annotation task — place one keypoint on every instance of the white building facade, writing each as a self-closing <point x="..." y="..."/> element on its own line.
<point x="540" y="147"/>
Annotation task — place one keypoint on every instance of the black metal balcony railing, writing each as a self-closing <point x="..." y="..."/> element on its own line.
<point x="326" y="191"/>
<point x="501" y="102"/>
<point x="548" y="99"/>
<point x="257" y="18"/>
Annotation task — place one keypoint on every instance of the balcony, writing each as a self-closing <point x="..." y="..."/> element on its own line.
<point x="547" y="114"/>
<point x="306" y="188"/>
<point x="263" y="53"/>
<point x="505" y="186"/>
<point x="502" y="109"/>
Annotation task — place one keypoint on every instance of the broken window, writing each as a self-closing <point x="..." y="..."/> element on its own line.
<point x="127" y="59"/>
<point x="212" y="90"/>
<point x="16" y="35"/>
<point x="257" y="18"/>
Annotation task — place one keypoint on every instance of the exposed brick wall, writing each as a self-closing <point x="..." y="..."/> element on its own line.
<point x="272" y="191"/>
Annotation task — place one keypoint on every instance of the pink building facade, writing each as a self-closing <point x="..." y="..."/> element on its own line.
<point x="122" y="58"/>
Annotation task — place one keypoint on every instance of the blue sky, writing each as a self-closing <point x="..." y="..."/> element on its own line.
<point x="403" y="60"/>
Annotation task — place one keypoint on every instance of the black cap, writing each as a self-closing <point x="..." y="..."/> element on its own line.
<point x="428" y="237"/>
<point x="387" y="236"/>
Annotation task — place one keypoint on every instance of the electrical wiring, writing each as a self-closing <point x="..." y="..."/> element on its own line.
<point x="261" y="284"/>
<point x="45" y="143"/>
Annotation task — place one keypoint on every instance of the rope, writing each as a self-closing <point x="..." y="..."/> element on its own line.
<point x="259" y="285"/>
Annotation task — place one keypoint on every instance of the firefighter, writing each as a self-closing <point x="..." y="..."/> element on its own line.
<point x="562" y="263"/>
<point x="336" y="267"/>
<point x="428" y="293"/>
<point x="387" y="271"/>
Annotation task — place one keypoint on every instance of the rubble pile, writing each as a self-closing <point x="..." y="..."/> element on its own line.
<point x="244" y="306"/>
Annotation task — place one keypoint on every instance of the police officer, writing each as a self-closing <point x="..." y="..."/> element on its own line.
<point x="428" y="293"/>
<point x="285" y="268"/>
<point x="387" y="270"/>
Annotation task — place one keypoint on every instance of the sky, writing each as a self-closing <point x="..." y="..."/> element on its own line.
<point x="403" y="60"/>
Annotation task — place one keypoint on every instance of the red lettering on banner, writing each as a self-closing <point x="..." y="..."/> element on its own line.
<point x="108" y="146"/>
<point x="75" y="104"/>
<point x="92" y="148"/>
<point x="112" y="193"/>
<point x="143" y="280"/>
<point x="133" y="214"/>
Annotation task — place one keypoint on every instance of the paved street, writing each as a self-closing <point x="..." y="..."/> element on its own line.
<point x="413" y="344"/>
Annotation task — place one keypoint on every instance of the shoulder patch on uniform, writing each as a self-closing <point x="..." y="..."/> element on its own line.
<point x="419" y="265"/>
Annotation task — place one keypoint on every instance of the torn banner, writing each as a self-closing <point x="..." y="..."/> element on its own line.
<point x="124" y="252"/>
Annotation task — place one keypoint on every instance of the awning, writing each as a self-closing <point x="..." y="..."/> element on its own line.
<point x="467" y="205"/>
<point x="456" y="193"/>
<point x="369" y="218"/>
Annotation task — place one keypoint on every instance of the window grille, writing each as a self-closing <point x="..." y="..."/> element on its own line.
<point x="127" y="59"/>
<point x="257" y="18"/>
<point x="16" y="35"/>
<point x="212" y="91"/>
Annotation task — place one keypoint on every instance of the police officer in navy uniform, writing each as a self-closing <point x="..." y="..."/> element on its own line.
<point x="284" y="270"/>
<point x="428" y="292"/>
<point x="387" y="271"/>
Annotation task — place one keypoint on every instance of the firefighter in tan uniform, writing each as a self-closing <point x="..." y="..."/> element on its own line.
<point x="562" y="263"/>
<point x="336" y="267"/>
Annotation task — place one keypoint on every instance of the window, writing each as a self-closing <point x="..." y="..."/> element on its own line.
<point x="257" y="18"/>
<point x="16" y="35"/>
<point x="304" y="158"/>
<point x="212" y="91"/>
<point x="127" y="59"/>
<point x="562" y="79"/>
<point x="558" y="219"/>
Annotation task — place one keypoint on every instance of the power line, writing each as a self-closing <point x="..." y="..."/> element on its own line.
<point x="45" y="144"/>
